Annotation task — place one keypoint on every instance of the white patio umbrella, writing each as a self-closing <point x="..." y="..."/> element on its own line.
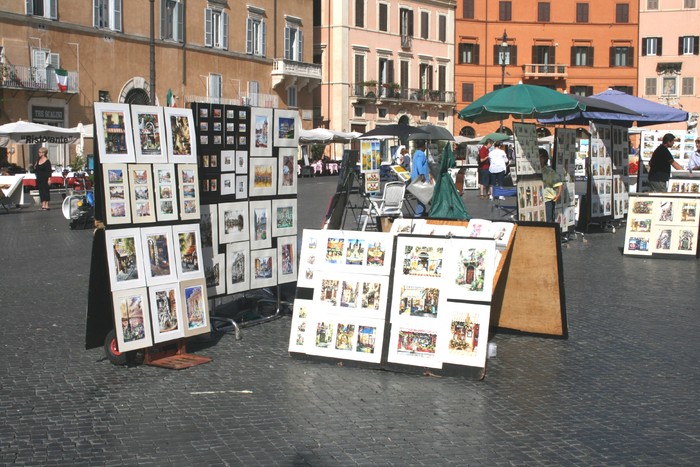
<point x="32" y="133"/>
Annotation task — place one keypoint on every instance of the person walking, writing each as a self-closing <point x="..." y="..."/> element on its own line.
<point x="552" y="186"/>
<point x="694" y="162"/>
<point x="420" y="172"/>
<point x="405" y="159"/>
<point x="43" y="170"/>
<point x="484" y="175"/>
<point x="660" y="165"/>
<point x="498" y="162"/>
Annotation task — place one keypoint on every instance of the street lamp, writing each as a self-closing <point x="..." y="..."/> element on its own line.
<point x="504" y="59"/>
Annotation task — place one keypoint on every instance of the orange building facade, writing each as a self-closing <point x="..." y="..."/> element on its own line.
<point x="573" y="46"/>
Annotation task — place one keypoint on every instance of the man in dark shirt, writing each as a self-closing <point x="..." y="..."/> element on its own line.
<point x="660" y="165"/>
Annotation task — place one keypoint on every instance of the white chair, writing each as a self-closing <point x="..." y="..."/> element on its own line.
<point x="389" y="204"/>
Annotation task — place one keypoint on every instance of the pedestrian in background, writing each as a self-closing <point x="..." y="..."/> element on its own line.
<point x="552" y="185"/>
<point x="484" y="175"/>
<point x="660" y="165"/>
<point x="43" y="170"/>
<point x="420" y="172"/>
<point x="498" y="162"/>
<point x="694" y="161"/>
<point x="405" y="159"/>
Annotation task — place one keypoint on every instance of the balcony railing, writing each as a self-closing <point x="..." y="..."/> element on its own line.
<point x="254" y="99"/>
<point x="35" y="79"/>
<point x="299" y="69"/>
<point x="373" y="92"/>
<point x="406" y="41"/>
<point x="544" y="70"/>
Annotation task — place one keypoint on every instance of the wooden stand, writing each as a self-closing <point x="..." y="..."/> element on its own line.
<point x="174" y="359"/>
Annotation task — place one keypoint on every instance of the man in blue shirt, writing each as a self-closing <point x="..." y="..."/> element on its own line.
<point x="420" y="171"/>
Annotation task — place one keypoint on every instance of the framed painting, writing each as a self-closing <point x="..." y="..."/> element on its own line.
<point x="346" y="338"/>
<point x="370" y="155"/>
<point x="299" y="336"/>
<point x="241" y="186"/>
<point x="209" y="226"/>
<point x="363" y="252"/>
<point x="237" y="267"/>
<point x="287" y="259"/>
<point x="464" y="334"/>
<point x="188" y="251"/>
<point x="132" y="319"/>
<point x="287" y="173"/>
<point x="361" y="295"/>
<point x="150" y="142"/>
<point x="228" y="184"/>
<point x="125" y="258"/>
<point x="241" y="162"/>
<point x="263" y="268"/>
<point x="228" y="161"/>
<point x="260" y="225"/>
<point x="141" y="193"/>
<point x="260" y="132"/>
<point x="287" y="128"/>
<point x="116" y="194"/>
<point x="189" y="191"/>
<point x="179" y="124"/>
<point x="469" y="268"/>
<point x="166" y="312"/>
<point x="233" y="222"/>
<point x="262" y="176"/>
<point x="195" y="316"/>
<point x="284" y="217"/>
<point x="416" y="345"/>
<point x="115" y="138"/>
<point x="215" y="274"/>
<point x="165" y="189"/>
<point x="159" y="255"/>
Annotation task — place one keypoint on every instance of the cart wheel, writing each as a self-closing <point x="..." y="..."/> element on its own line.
<point x="111" y="350"/>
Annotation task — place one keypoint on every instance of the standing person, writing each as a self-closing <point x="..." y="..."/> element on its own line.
<point x="694" y="161"/>
<point x="552" y="186"/>
<point x="498" y="162"/>
<point x="405" y="159"/>
<point x="484" y="175"/>
<point x="660" y="164"/>
<point x="43" y="170"/>
<point x="419" y="171"/>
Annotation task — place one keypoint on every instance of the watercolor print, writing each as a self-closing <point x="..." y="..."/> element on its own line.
<point x="419" y="260"/>
<point x="298" y="336"/>
<point x="189" y="191"/>
<point x="214" y="273"/>
<point x="150" y="141"/>
<point x="125" y="258"/>
<point x="131" y="319"/>
<point x="685" y="242"/>
<point x="241" y="162"/>
<point x="165" y="312"/>
<point x="142" y="198"/>
<point x="194" y="304"/>
<point x="688" y="212"/>
<point x="262" y="177"/>
<point x="263" y="265"/>
<point x="165" y="188"/>
<point x="158" y="251"/>
<point x="418" y="301"/>
<point x="465" y="333"/>
<point x="286" y="128"/>
<point x="284" y="217"/>
<point x="228" y="184"/>
<point x="233" y="222"/>
<point x="328" y="291"/>
<point x="228" y="161"/>
<point x="415" y="345"/>
<point x="286" y="259"/>
<point x="115" y="139"/>
<point x="237" y="267"/>
<point x="241" y="187"/>
<point x="637" y="244"/>
<point x="312" y="251"/>
<point x="260" y="225"/>
<point x="370" y="155"/>
<point x="188" y="257"/>
<point x="179" y="125"/>
<point x="665" y="212"/>
<point x="261" y="132"/>
<point x="334" y="248"/>
<point x="471" y="269"/>
<point x="116" y="194"/>
<point x="287" y="175"/>
<point x="209" y="226"/>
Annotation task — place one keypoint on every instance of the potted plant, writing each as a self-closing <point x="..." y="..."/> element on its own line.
<point x="370" y="88"/>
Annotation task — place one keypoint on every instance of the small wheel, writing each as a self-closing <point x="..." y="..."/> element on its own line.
<point x="112" y="351"/>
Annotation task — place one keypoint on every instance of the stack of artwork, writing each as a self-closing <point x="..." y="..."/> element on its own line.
<point x="529" y="188"/>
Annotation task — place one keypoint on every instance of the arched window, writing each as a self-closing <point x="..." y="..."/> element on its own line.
<point x="468" y="132"/>
<point x="137" y="96"/>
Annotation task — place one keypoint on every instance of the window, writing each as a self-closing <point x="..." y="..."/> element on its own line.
<point x="468" y="9"/>
<point x="688" y="45"/>
<point x="509" y="56"/>
<point x="45" y="8"/>
<point x="359" y="74"/>
<point x="256" y="35"/>
<point x="581" y="90"/>
<point x="442" y="28"/>
<point x="386" y="75"/>
<point x="424" y="24"/>
<point x="293" y="42"/>
<point x="688" y="3"/>
<point x="214" y="87"/>
<point x="424" y="115"/>
<point x="404" y="78"/>
<point x="652" y="4"/>
<point x="215" y="29"/>
<point x="582" y="12"/>
<point x="383" y="17"/>
<point x="581" y="55"/>
<point x="406" y="22"/>
<point x="41" y="59"/>
<point x="441" y="116"/>
<point x="622" y="13"/>
<point x="360" y="13"/>
<point x="292" y="97"/>
<point x="107" y="14"/>
<point x="254" y="93"/>
<point x="621" y="56"/>
<point x="626" y="89"/>
<point x="688" y="86"/>
<point x="544" y="55"/>
<point x="172" y="20"/>
<point x="467" y="92"/>
<point x="651" y="46"/>
<point x="442" y="79"/>
<point x="650" y="86"/>
<point x="426" y="76"/>
<point x="468" y="54"/>
<point x="382" y="112"/>
<point x="359" y="111"/>
<point x="505" y="11"/>
<point x="669" y="84"/>
<point x="543" y="12"/>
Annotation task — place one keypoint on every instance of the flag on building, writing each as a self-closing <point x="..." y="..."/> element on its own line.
<point x="62" y="79"/>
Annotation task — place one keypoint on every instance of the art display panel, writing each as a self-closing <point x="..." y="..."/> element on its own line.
<point x="263" y="268"/>
<point x="165" y="186"/>
<point x="233" y="222"/>
<point x="166" y="312"/>
<point x="159" y="255"/>
<point x="527" y="160"/>
<point x="188" y="180"/>
<point x="131" y="319"/>
<point x="260" y="223"/>
<point x="115" y="138"/>
<point x="284" y="217"/>
<point x="188" y="251"/>
<point x="531" y="205"/>
<point x="125" y="258"/>
<point x="195" y="307"/>
<point x="116" y="194"/>
<point x="237" y="267"/>
<point x="262" y="177"/>
<point x="179" y="125"/>
<point x="150" y="142"/>
<point x="287" y="259"/>
<point x="287" y="126"/>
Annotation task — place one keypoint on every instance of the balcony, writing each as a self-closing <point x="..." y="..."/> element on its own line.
<point x="539" y="70"/>
<point x="300" y="74"/>
<point x="406" y="41"/>
<point x="369" y="91"/>
<point x="35" y="79"/>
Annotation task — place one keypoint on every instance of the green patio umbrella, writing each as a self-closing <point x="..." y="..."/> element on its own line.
<point x="494" y="137"/>
<point x="447" y="203"/>
<point x="520" y="101"/>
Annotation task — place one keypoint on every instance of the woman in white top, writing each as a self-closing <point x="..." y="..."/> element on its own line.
<point x="498" y="161"/>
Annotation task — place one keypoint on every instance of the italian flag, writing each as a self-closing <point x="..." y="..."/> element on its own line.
<point x="62" y="79"/>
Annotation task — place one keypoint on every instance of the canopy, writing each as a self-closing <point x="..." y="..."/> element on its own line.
<point x="325" y="136"/>
<point x="520" y="101"/>
<point x="32" y="133"/>
<point x="434" y="133"/>
<point x="398" y="130"/>
<point x="495" y="137"/>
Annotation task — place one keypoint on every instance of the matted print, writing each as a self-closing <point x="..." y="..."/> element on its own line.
<point x="370" y="155"/>
<point x="117" y="194"/>
<point x="362" y="295"/>
<point x="345" y="338"/>
<point x="420" y="257"/>
<point x="150" y="142"/>
<point x="284" y="217"/>
<point x="527" y="161"/>
<point x="228" y="184"/>
<point x="241" y="162"/>
<point x="665" y="211"/>
<point x="166" y="314"/>
<point x="358" y="252"/>
<point x="287" y="126"/>
<point x="262" y="177"/>
<point x="687" y="211"/>
<point x="683" y="186"/>
<point x="179" y="124"/>
<point x="413" y="299"/>
<point x="260" y="222"/>
<point x="131" y="319"/>
<point x="209" y="226"/>
<point x="286" y="259"/>
<point x="372" y="181"/>
<point x="287" y="176"/>
<point x="141" y="193"/>
<point x="415" y="345"/>
<point x="531" y="205"/>
<point x="469" y="269"/>
<point x="299" y="336"/>
<point x="402" y="225"/>
<point x="260" y="132"/>
<point x="263" y="268"/>
<point x="684" y="241"/>
<point x="194" y="305"/>
<point x="189" y="191"/>
<point x="188" y="253"/>
<point x="228" y="161"/>
<point x="159" y="255"/>
<point x="466" y="333"/>
<point x="237" y="267"/>
<point x="165" y="188"/>
<point x="311" y="256"/>
<point x="125" y="258"/>
<point x="233" y="222"/>
<point x="115" y="138"/>
<point x="215" y="273"/>
<point x="241" y="186"/>
<point x="661" y="239"/>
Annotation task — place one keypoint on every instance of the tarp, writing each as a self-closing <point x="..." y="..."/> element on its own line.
<point x="325" y="136"/>
<point x="447" y="204"/>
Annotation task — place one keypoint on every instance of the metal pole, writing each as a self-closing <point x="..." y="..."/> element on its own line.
<point x="504" y="47"/>
<point x="152" y="49"/>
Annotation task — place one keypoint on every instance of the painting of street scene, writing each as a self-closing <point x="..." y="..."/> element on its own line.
<point x="238" y="267"/>
<point x="285" y="217"/>
<point x="348" y="294"/>
<point x="260" y="227"/>
<point x="471" y="269"/>
<point x="115" y="175"/>
<point x="195" y="306"/>
<point x="417" y="342"/>
<point x="180" y="135"/>
<point x="263" y="267"/>
<point x="689" y="211"/>
<point x="131" y="313"/>
<point x="366" y="339"/>
<point x="371" y="295"/>
<point x="329" y="291"/>
<point x="285" y="128"/>
<point x="149" y="132"/>
<point x="118" y="209"/>
<point x="287" y="266"/>
<point x="158" y="255"/>
<point x="356" y="251"/>
<point x="262" y="131"/>
<point x="422" y="261"/>
<point x="188" y="251"/>
<point x="124" y="250"/>
<point x="464" y="330"/>
<point x="115" y="132"/>
<point x="324" y="335"/>
<point x="334" y="250"/>
<point x="166" y="304"/>
<point x="419" y="301"/>
<point x="686" y="240"/>
<point x="344" y="336"/>
<point x="376" y="253"/>
<point x="262" y="176"/>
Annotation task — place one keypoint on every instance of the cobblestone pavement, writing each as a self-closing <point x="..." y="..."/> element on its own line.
<point x="622" y="390"/>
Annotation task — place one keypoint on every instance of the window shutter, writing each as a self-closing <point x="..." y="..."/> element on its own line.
<point x="53" y="9"/>
<point x="390" y="71"/>
<point x="589" y="59"/>
<point x="696" y="44"/>
<point x="659" y="46"/>
<point x="96" y="13"/>
<point x="163" y="23"/>
<point x="54" y="60"/>
<point x="424" y="19"/>
<point x="300" y="33"/>
<point x="224" y="34"/>
<point x="263" y="26"/>
<point x="475" y="59"/>
<point x="383" y="23"/>
<point x="288" y="44"/>
<point x="29" y="7"/>
<point x="680" y="45"/>
<point x="180" y="22"/>
<point x="612" y="56"/>
<point x="410" y="23"/>
<point x="534" y="54"/>
<point x="644" y="47"/>
<point x="117" y="22"/>
<point x="630" y="57"/>
<point x="552" y="55"/>
<point x="443" y="28"/>
<point x="572" y="59"/>
<point x="208" y="36"/>
<point x="249" y="36"/>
